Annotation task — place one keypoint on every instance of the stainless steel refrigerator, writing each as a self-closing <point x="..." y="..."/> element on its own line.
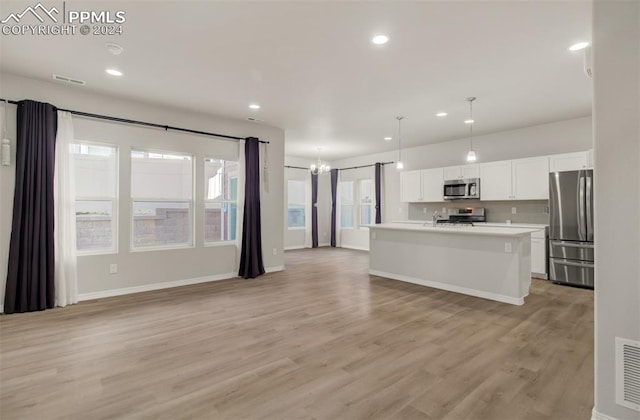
<point x="571" y="251"/>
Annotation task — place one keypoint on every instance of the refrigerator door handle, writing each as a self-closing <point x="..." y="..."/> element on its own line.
<point x="582" y="229"/>
<point x="573" y="264"/>
<point x="588" y="204"/>
<point x="571" y="244"/>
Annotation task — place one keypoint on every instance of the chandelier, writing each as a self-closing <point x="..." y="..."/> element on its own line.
<point x="320" y="167"/>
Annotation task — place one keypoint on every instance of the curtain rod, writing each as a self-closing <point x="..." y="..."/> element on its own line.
<point x="342" y="169"/>
<point x="143" y="123"/>
<point x="365" y="166"/>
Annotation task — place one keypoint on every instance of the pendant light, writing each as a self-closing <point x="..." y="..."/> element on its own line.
<point x="471" y="156"/>
<point x="400" y="165"/>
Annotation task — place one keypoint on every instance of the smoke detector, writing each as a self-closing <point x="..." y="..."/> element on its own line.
<point x="114" y="49"/>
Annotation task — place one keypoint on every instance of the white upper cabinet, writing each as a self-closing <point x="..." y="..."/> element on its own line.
<point x="530" y="178"/>
<point x="569" y="162"/>
<point x="495" y="181"/>
<point x="432" y="185"/>
<point x="462" y="172"/>
<point x="410" y="186"/>
<point x="421" y="186"/>
<point x="520" y="179"/>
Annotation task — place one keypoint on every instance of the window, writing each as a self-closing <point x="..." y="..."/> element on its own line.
<point x="162" y="199"/>
<point x="365" y="198"/>
<point x="96" y="177"/>
<point x="220" y="200"/>
<point x="296" y="196"/>
<point x="346" y="204"/>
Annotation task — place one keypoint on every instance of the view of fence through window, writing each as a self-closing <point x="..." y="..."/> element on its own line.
<point x="221" y="200"/>
<point x="296" y="204"/>
<point x="96" y="182"/>
<point x="162" y="199"/>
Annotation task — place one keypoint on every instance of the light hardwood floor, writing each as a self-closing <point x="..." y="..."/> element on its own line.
<point x="321" y="340"/>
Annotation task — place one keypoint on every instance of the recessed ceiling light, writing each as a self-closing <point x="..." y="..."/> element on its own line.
<point x="114" y="72"/>
<point x="254" y="106"/>
<point x="469" y="121"/>
<point x="388" y="138"/>
<point x="380" y="39"/>
<point x="579" y="46"/>
<point x="441" y="114"/>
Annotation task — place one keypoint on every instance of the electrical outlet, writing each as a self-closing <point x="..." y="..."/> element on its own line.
<point x="507" y="247"/>
<point x="113" y="268"/>
<point x="444" y="210"/>
<point x="275" y="251"/>
<point x="424" y="210"/>
<point x="373" y="235"/>
<point x="400" y="210"/>
<point x="513" y="210"/>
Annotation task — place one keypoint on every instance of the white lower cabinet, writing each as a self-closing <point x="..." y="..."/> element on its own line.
<point x="539" y="254"/>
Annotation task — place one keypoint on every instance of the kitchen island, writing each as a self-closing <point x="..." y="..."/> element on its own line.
<point x="488" y="262"/>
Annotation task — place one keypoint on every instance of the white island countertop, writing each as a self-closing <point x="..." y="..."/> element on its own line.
<point x="457" y="230"/>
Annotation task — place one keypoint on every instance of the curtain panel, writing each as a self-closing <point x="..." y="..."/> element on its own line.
<point x="334" y="193"/>
<point x="31" y="270"/>
<point x="378" y="192"/>
<point x="64" y="193"/>
<point x="251" y="265"/>
<point x="314" y="211"/>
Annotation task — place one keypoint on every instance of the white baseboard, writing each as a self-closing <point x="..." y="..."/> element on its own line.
<point x="274" y="269"/>
<point x="451" y="288"/>
<point x="599" y="416"/>
<point x="153" y="286"/>
<point x="291" y="248"/>
<point x="357" y="248"/>
<point x="327" y="244"/>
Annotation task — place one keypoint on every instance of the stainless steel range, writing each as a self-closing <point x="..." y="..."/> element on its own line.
<point x="463" y="217"/>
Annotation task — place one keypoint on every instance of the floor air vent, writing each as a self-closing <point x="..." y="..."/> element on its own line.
<point x="628" y="373"/>
<point x="68" y="80"/>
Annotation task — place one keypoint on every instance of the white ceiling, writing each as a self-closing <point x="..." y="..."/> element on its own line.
<point x="313" y="69"/>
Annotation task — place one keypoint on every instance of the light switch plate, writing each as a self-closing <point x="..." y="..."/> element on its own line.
<point x="513" y="210"/>
<point x="113" y="268"/>
<point x="507" y="247"/>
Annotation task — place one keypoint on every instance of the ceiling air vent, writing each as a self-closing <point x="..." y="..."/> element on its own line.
<point x="255" y="120"/>
<point x="628" y="373"/>
<point x="68" y="80"/>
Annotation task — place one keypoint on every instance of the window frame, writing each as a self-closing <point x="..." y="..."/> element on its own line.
<point x="304" y="205"/>
<point x="115" y="201"/>
<point x="222" y="201"/>
<point x="191" y="203"/>
<point x="353" y="205"/>
<point x="360" y="203"/>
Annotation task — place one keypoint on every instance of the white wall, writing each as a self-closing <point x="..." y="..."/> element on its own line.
<point x="149" y="267"/>
<point x="616" y="67"/>
<point x="296" y="238"/>
<point x="558" y="137"/>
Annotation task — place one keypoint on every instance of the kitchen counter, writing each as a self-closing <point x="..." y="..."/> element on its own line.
<point x="491" y="224"/>
<point x="484" y="261"/>
<point x="477" y="229"/>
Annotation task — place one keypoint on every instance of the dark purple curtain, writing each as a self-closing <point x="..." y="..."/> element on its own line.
<point x="314" y="211"/>
<point x="378" y="188"/>
<point x="251" y="265"/>
<point x="334" y="192"/>
<point x="30" y="285"/>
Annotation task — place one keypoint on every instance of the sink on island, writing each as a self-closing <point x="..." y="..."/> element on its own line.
<point x="488" y="262"/>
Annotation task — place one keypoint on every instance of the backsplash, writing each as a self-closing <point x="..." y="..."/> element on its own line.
<point x="536" y="211"/>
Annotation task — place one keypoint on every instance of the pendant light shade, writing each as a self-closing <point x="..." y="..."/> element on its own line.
<point x="471" y="156"/>
<point x="400" y="165"/>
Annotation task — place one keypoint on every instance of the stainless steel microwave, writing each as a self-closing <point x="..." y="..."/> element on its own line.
<point x="462" y="189"/>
